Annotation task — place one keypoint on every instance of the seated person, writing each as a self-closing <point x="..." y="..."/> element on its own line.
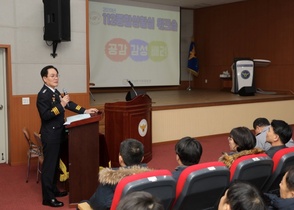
<point x="139" y="200"/>
<point x="261" y="126"/>
<point x="242" y="196"/>
<point x="286" y="199"/>
<point x="278" y="135"/>
<point x="188" y="152"/>
<point x="241" y="142"/>
<point x="131" y="155"/>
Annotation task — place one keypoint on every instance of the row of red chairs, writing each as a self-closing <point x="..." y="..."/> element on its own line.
<point x="201" y="186"/>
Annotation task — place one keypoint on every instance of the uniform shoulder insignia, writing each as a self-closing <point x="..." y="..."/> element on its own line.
<point x="44" y="91"/>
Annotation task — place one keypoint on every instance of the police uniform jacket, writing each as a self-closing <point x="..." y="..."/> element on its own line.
<point x="52" y="114"/>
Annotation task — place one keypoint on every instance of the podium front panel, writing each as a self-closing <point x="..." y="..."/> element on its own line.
<point x="83" y="149"/>
<point x="130" y="119"/>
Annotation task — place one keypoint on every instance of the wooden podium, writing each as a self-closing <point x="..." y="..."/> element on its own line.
<point x="83" y="158"/>
<point x="128" y="119"/>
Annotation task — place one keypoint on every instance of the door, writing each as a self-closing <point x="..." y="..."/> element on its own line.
<point x="3" y="109"/>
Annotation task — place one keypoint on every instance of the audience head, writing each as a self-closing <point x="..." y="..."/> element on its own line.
<point x="139" y="200"/>
<point x="242" y="196"/>
<point x="287" y="184"/>
<point x="259" y="124"/>
<point x="241" y="138"/>
<point x="279" y="133"/>
<point x="188" y="151"/>
<point x="131" y="152"/>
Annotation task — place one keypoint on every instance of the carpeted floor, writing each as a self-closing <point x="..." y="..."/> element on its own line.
<point x="16" y="194"/>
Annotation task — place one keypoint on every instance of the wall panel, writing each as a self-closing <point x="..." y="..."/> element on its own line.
<point x="260" y="29"/>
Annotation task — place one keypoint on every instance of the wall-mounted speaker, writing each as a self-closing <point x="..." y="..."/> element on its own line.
<point x="56" y="20"/>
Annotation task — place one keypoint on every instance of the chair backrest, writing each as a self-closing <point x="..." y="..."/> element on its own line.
<point x="256" y="169"/>
<point x="201" y="186"/>
<point x="27" y="135"/>
<point x="38" y="140"/>
<point x="159" y="183"/>
<point x="282" y="160"/>
<point x="40" y="146"/>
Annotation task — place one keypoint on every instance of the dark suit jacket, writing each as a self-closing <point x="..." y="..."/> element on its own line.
<point x="52" y="114"/>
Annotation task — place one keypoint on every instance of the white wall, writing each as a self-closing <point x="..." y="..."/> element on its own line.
<point x="21" y="27"/>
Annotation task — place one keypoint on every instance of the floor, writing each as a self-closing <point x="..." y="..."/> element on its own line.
<point x="192" y="98"/>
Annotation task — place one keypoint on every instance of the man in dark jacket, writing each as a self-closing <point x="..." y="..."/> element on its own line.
<point x="131" y="155"/>
<point x="51" y="107"/>
<point x="278" y="136"/>
<point x="188" y="152"/>
<point x="286" y="199"/>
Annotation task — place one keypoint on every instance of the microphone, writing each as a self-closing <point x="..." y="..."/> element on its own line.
<point x="65" y="93"/>
<point x="132" y="86"/>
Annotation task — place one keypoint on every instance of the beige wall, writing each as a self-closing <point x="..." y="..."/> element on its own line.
<point x="203" y="121"/>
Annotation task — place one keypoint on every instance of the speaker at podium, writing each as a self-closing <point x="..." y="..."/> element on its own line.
<point x="242" y="77"/>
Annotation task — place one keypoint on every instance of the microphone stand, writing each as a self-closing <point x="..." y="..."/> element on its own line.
<point x="132" y="86"/>
<point x="189" y="88"/>
<point x="134" y="91"/>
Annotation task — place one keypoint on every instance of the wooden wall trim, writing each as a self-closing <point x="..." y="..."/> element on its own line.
<point x="28" y="116"/>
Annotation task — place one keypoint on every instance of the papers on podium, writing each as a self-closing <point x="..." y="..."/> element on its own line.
<point x="75" y="118"/>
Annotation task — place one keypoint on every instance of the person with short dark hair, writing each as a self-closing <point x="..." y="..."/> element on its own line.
<point x="242" y="196"/>
<point x="286" y="199"/>
<point x="278" y="135"/>
<point x="131" y="154"/>
<point x="51" y="107"/>
<point x="241" y="142"/>
<point x="139" y="200"/>
<point x="261" y="126"/>
<point x="188" y="152"/>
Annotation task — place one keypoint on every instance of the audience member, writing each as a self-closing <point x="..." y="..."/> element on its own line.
<point x="139" y="200"/>
<point x="188" y="152"/>
<point x="278" y="135"/>
<point x="286" y="199"/>
<point x="242" y="196"/>
<point x="261" y="126"/>
<point x="131" y="155"/>
<point x="241" y="142"/>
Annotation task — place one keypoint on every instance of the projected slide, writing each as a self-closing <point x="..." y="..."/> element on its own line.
<point x="132" y="42"/>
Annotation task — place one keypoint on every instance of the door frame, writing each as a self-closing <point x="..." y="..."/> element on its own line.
<point x="7" y="98"/>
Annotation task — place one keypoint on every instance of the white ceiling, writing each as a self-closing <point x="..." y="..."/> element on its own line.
<point x="194" y="4"/>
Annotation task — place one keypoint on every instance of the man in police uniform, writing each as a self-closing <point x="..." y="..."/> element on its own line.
<point x="51" y="106"/>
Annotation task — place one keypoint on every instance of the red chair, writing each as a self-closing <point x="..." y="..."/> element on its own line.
<point x="256" y="169"/>
<point x="201" y="186"/>
<point x="282" y="160"/>
<point x="159" y="183"/>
